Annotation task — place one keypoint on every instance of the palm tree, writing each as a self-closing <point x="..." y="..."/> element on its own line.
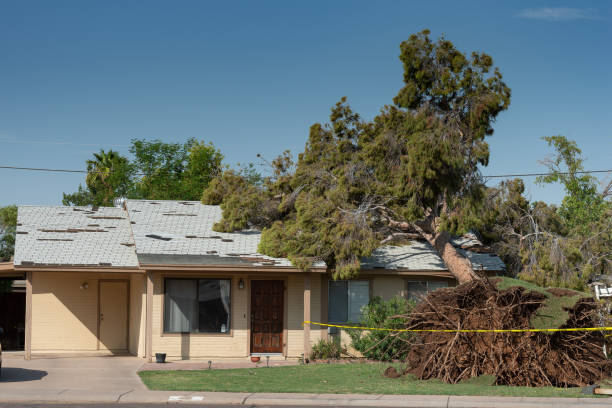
<point x="100" y="172"/>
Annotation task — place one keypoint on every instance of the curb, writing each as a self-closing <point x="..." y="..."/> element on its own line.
<point x="314" y="400"/>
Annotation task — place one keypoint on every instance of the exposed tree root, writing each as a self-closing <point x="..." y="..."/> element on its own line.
<point x="560" y="359"/>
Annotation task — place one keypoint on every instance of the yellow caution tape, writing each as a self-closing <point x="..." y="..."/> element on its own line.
<point x="572" y="329"/>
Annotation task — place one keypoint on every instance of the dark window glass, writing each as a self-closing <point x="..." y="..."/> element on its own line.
<point x="197" y="306"/>
<point x="346" y="300"/>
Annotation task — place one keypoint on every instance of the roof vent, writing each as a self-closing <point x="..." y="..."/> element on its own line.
<point x="119" y="202"/>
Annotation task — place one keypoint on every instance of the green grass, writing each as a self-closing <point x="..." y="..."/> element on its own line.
<point x="553" y="313"/>
<point x="358" y="378"/>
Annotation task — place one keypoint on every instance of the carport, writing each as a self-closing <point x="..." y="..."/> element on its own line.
<point x="12" y="307"/>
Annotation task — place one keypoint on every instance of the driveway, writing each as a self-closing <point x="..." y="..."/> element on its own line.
<point x="59" y="378"/>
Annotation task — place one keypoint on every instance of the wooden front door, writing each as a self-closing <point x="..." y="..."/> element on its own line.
<point x="267" y="304"/>
<point x="113" y="315"/>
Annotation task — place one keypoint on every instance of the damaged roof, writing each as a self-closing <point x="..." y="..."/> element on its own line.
<point x="181" y="233"/>
<point x="74" y="236"/>
<point x="421" y="256"/>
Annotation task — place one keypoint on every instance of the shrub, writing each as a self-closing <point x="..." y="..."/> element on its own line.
<point x="327" y="349"/>
<point x="383" y="345"/>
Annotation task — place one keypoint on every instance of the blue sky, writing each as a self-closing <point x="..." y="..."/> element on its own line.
<point x="77" y="76"/>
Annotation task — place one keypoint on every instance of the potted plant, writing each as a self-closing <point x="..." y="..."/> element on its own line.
<point x="160" y="357"/>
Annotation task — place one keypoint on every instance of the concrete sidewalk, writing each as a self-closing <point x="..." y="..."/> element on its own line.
<point x="315" y="400"/>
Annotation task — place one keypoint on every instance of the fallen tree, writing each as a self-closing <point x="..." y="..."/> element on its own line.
<point x="559" y="359"/>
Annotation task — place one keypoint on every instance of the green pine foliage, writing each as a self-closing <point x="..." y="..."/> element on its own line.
<point x="357" y="182"/>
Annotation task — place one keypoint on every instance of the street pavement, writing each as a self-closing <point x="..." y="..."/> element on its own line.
<point x="106" y="381"/>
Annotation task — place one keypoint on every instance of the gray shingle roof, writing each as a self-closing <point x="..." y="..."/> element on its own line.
<point x="186" y="228"/>
<point x="74" y="236"/>
<point x="180" y="232"/>
<point x="421" y="256"/>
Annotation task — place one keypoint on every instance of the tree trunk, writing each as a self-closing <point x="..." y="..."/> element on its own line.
<point x="457" y="264"/>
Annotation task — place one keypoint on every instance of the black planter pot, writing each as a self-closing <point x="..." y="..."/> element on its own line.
<point x="160" y="357"/>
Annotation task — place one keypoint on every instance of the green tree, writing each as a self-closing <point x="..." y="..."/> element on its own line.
<point x="159" y="171"/>
<point x="109" y="175"/>
<point x="360" y="184"/>
<point x="174" y="171"/>
<point x="582" y="204"/>
<point x="548" y="245"/>
<point x="8" y="227"/>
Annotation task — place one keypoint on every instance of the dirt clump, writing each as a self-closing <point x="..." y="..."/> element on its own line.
<point x="560" y="359"/>
<point x="560" y="292"/>
<point x="391" y="372"/>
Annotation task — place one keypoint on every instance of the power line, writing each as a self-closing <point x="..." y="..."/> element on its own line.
<point x="143" y="174"/>
<point x="46" y="142"/>
<point x="548" y="174"/>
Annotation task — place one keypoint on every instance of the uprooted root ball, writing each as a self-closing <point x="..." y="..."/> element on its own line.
<point x="560" y="359"/>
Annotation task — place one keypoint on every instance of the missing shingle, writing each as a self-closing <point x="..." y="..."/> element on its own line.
<point x="54" y="239"/>
<point x="127" y="244"/>
<point x="154" y="203"/>
<point x="27" y="263"/>
<point x="105" y="217"/>
<point x="93" y="225"/>
<point x="211" y="252"/>
<point x="22" y="232"/>
<point x="77" y="209"/>
<point x="215" y="236"/>
<point x="72" y="230"/>
<point x="104" y="263"/>
<point x="154" y="236"/>
<point x="186" y="203"/>
<point x="227" y="240"/>
<point x="133" y="222"/>
<point x="191" y="236"/>
<point x="94" y="208"/>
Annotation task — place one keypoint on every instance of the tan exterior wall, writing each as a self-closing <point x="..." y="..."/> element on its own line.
<point x="387" y="287"/>
<point x="235" y="344"/>
<point x="201" y="345"/>
<point x="137" y="327"/>
<point x="295" y="291"/>
<point x="64" y="316"/>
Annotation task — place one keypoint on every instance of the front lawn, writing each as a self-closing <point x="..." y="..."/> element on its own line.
<point x="358" y="378"/>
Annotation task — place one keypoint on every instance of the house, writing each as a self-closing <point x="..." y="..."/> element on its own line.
<point x="153" y="277"/>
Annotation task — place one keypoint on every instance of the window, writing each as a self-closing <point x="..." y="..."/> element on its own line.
<point x="346" y="298"/>
<point x="416" y="290"/>
<point x="197" y="306"/>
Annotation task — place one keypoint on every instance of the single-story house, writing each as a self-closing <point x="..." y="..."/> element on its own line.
<point x="153" y="277"/>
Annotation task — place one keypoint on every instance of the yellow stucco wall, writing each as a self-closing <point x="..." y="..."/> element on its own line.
<point x="137" y="314"/>
<point x="183" y="346"/>
<point x="64" y="316"/>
